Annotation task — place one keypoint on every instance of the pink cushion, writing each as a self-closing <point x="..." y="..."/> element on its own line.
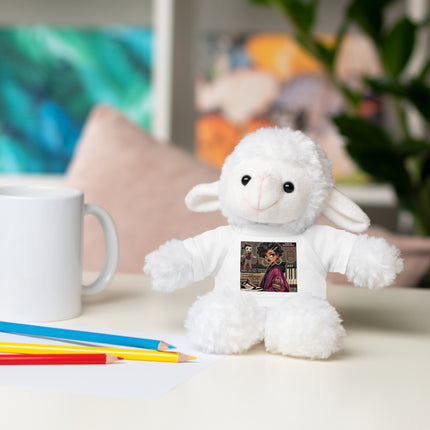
<point x="141" y="183"/>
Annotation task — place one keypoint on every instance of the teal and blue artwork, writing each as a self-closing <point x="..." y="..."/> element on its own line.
<point x="51" y="78"/>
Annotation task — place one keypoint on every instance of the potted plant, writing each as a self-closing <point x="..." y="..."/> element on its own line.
<point x="390" y="153"/>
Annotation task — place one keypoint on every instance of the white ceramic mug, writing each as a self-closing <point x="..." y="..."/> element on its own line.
<point x="41" y="233"/>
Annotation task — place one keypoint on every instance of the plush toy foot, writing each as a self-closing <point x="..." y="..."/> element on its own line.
<point x="304" y="326"/>
<point x="224" y="322"/>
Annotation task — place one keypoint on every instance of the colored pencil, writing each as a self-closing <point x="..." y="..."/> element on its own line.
<point x="83" y="336"/>
<point x="48" y="359"/>
<point x="128" y="354"/>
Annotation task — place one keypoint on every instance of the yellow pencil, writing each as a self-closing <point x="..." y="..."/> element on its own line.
<point x="127" y="354"/>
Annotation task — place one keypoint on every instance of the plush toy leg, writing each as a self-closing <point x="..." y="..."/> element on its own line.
<point x="225" y="322"/>
<point x="303" y="326"/>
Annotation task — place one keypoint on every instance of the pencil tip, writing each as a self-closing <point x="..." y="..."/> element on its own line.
<point x="183" y="357"/>
<point x="112" y="358"/>
<point x="163" y="346"/>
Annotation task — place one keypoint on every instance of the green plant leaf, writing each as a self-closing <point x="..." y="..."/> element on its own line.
<point x="302" y="13"/>
<point x="326" y="54"/>
<point x="418" y="93"/>
<point x="397" y="46"/>
<point x="369" y="15"/>
<point x="367" y="134"/>
<point x="412" y="146"/>
<point x="386" y="85"/>
<point x="424" y="71"/>
<point x="372" y="148"/>
<point x="425" y="171"/>
<point x="384" y="166"/>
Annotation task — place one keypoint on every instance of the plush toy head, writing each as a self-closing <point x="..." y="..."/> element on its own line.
<point x="277" y="176"/>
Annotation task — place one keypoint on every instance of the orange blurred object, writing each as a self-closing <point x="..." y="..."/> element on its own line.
<point x="280" y="55"/>
<point x="216" y="137"/>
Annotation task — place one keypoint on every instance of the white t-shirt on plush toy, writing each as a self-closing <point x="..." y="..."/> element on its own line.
<point x="301" y="264"/>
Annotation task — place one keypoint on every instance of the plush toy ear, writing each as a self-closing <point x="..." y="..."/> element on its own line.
<point x="345" y="213"/>
<point x="203" y="198"/>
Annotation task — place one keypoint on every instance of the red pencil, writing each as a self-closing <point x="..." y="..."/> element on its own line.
<point x="12" y="359"/>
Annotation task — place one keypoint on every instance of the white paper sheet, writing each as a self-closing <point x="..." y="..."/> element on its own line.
<point x="123" y="379"/>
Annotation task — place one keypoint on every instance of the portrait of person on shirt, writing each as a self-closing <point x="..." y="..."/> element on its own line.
<point x="274" y="278"/>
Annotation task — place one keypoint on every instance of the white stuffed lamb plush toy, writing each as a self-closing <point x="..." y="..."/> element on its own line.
<point x="273" y="187"/>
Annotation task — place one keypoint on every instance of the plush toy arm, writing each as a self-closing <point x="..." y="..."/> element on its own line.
<point x="373" y="263"/>
<point x="170" y="266"/>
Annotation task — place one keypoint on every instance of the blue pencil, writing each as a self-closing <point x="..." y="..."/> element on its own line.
<point x="83" y="336"/>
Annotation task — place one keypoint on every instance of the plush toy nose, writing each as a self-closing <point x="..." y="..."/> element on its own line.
<point x="267" y="191"/>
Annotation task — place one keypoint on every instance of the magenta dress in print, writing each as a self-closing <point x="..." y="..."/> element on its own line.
<point x="274" y="280"/>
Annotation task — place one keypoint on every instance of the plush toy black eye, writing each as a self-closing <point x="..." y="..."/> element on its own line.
<point x="288" y="187"/>
<point x="246" y="179"/>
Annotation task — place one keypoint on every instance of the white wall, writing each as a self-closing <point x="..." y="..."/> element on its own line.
<point x="83" y="12"/>
<point x="242" y="15"/>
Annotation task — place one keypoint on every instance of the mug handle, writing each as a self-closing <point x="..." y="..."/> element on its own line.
<point x="111" y="249"/>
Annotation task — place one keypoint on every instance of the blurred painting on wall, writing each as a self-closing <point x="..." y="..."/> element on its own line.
<point x="50" y="79"/>
<point x="249" y="81"/>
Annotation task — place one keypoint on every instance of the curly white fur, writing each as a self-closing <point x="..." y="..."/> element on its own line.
<point x="373" y="263"/>
<point x="304" y="326"/>
<point x="170" y="266"/>
<point x="284" y="144"/>
<point x="225" y="322"/>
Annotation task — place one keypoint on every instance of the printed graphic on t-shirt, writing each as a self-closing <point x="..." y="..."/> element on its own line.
<point x="268" y="266"/>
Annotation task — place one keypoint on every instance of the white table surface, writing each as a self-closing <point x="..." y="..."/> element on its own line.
<point x="381" y="379"/>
